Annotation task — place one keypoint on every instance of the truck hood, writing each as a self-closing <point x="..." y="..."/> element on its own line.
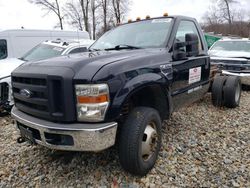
<point x="8" y="65"/>
<point x="89" y="63"/>
<point x="229" y="54"/>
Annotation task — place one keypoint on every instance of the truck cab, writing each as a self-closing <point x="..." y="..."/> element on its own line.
<point x="119" y="92"/>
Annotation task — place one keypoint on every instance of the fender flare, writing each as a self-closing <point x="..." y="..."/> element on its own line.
<point x="139" y="82"/>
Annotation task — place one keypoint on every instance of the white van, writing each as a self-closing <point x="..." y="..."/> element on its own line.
<point x="15" y="43"/>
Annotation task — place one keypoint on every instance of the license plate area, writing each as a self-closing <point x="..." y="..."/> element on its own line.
<point x="27" y="134"/>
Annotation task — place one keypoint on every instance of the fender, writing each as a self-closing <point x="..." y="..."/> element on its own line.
<point x="135" y="84"/>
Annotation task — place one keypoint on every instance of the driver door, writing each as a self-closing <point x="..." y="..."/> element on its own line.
<point x="190" y="75"/>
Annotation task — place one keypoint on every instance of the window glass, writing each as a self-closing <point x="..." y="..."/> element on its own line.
<point x="42" y="51"/>
<point x="149" y="33"/>
<point x="243" y="46"/>
<point x="187" y="27"/>
<point x="78" y="50"/>
<point x="3" y="49"/>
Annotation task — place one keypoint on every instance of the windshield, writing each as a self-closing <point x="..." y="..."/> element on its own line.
<point x="144" y="34"/>
<point x="3" y="49"/>
<point x="42" y="51"/>
<point x="243" y="46"/>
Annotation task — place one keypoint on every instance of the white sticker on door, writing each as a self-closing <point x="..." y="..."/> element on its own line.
<point x="194" y="75"/>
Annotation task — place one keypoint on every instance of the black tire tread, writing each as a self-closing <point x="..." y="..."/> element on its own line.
<point x="230" y="91"/>
<point x="217" y="90"/>
<point x="128" y="147"/>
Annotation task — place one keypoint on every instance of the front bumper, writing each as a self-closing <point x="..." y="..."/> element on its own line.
<point x="73" y="137"/>
<point x="244" y="76"/>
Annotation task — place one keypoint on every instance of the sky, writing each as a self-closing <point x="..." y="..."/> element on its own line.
<point x="20" y="13"/>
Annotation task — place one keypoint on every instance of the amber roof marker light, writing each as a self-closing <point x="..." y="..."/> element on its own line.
<point x="165" y="14"/>
<point x="138" y="19"/>
<point x="147" y="17"/>
<point x="129" y="20"/>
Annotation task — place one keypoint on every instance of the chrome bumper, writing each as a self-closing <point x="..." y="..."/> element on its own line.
<point x="84" y="137"/>
<point x="245" y="77"/>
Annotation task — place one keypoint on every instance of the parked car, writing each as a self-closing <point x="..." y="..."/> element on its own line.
<point x="14" y="43"/>
<point x="232" y="57"/>
<point x="44" y="50"/>
<point x="132" y="79"/>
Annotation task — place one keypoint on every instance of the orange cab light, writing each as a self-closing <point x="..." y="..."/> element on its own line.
<point x="129" y="21"/>
<point x="165" y="14"/>
<point x="147" y="17"/>
<point x="94" y="99"/>
<point x="138" y="19"/>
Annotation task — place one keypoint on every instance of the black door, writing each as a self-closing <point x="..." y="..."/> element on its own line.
<point x="190" y="76"/>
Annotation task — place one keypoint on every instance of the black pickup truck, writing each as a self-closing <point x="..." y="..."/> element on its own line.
<point x="118" y="93"/>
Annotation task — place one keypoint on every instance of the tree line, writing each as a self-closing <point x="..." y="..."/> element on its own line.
<point x="226" y="17"/>
<point x="94" y="16"/>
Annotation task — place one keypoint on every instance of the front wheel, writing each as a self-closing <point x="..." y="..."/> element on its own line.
<point x="140" y="141"/>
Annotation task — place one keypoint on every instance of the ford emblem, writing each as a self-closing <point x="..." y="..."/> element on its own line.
<point x="25" y="93"/>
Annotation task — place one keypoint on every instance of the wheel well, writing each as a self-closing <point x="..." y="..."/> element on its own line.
<point x="150" y="96"/>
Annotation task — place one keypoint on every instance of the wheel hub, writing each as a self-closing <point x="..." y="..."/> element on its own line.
<point x="237" y="94"/>
<point x="149" y="141"/>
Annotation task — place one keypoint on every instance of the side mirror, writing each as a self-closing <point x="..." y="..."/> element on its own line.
<point x="192" y="44"/>
<point x="189" y="48"/>
<point x="179" y="51"/>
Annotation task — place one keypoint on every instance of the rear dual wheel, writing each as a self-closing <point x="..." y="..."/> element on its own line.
<point x="232" y="92"/>
<point x="226" y="91"/>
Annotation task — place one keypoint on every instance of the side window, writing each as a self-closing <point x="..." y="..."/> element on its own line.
<point x="3" y="49"/>
<point x="186" y="27"/>
<point x="78" y="50"/>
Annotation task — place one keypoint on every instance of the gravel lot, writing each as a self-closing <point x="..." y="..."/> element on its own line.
<point x="203" y="146"/>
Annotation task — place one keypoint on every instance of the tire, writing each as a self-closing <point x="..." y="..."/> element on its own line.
<point x="217" y="90"/>
<point x="232" y="92"/>
<point x="140" y="124"/>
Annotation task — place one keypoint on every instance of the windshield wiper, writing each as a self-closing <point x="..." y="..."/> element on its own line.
<point x="94" y="50"/>
<point x="21" y="58"/>
<point x="123" y="46"/>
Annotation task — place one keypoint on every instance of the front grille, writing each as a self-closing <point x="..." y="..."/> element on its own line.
<point x="41" y="97"/>
<point x="4" y="92"/>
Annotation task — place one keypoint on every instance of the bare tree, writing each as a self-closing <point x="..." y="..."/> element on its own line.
<point x="75" y="16"/>
<point x="51" y="5"/>
<point x="96" y="16"/>
<point x="226" y="10"/>
<point x="104" y="4"/>
<point x="85" y="6"/>
<point x="94" y="6"/>
<point x="212" y="16"/>
<point x="120" y="8"/>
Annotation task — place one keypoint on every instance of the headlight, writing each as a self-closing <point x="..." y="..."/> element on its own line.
<point x="92" y="102"/>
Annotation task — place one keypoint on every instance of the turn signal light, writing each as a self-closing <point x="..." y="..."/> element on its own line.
<point x="92" y="99"/>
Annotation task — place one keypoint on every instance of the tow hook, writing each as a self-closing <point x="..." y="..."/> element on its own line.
<point x="21" y="140"/>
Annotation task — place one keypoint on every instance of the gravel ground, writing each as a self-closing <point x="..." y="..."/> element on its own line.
<point x="203" y="146"/>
